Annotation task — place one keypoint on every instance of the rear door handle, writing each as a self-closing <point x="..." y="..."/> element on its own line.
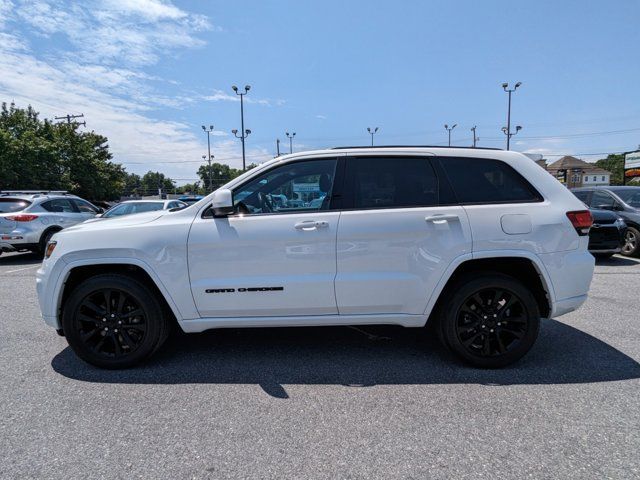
<point x="311" y="225"/>
<point x="441" y="218"/>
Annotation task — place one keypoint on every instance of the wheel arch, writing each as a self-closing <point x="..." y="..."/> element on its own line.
<point x="52" y="228"/>
<point x="523" y="268"/>
<point x="77" y="272"/>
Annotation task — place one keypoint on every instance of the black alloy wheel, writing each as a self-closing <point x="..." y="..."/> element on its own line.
<point x="114" y="321"/>
<point x="111" y="322"/>
<point x="489" y="320"/>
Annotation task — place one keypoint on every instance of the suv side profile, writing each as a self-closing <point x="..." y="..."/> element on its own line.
<point x="623" y="200"/>
<point x="29" y="219"/>
<point x="481" y="244"/>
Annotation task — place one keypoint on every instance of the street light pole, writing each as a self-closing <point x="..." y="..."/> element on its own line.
<point x="243" y="133"/>
<point x="449" y="130"/>
<point x="372" y="132"/>
<point x="277" y="147"/>
<point x="507" y="129"/>
<point x="208" y="131"/>
<point x="475" y="139"/>
<point x="290" y="137"/>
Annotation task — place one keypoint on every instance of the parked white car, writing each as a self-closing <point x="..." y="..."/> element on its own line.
<point x="29" y="219"/>
<point x="131" y="207"/>
<point x="480" y="243"/>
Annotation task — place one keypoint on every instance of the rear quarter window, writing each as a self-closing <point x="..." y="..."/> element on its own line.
<point x="11" y="205"/>
<point x="486" y="181"/>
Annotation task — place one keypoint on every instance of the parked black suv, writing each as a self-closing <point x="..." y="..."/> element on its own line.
<point x="607" y="234"/>
<point x="625" y="201"/>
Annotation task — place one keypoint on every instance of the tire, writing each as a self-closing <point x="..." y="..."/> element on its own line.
<point x="44" y="239"/>
<point x="113" y="321"/>
<point x="631" y="247"/>
<point x="482" y="335"/>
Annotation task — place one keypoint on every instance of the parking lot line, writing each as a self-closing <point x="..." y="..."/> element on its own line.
<point x="21" y="269"/>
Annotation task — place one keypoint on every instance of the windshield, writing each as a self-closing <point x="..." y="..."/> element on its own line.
<point x="131" y="208"/>
<point x="10" y="205"/>
<point x="630" y="196"/>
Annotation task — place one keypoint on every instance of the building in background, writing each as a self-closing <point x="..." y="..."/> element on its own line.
<point x="573" y="173"/>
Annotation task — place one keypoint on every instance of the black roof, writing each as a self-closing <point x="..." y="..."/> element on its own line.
<point x="412" y="146"/>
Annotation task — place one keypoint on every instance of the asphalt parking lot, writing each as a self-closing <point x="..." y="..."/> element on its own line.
<point x="325" y="403"/>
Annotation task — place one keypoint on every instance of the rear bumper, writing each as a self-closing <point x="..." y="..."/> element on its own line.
<point x="570" y="274"/>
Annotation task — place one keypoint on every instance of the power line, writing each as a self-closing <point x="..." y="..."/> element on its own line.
<point x="70" y="117"/>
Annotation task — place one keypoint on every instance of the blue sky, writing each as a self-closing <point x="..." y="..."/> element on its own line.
<point x="148" y="73"/>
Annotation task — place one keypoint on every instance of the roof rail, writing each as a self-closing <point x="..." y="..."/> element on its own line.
<point x="33" y="192"/>
<point x="413" y="146"/>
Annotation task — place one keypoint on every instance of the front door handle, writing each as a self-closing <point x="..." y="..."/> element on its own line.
<point x="441" y="218"/>
<point x="311" y="225"/>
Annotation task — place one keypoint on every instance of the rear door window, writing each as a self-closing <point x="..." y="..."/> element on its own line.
<point x="85" y="207"/>
<point x="391" y="182"/>
<point x="602" y="199"/>
<point x="583" y="196"/>
<point x="486" y="181"/>
<point x="59" y="205"/>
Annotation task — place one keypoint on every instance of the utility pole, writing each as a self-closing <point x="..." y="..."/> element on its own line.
<point x="243" y="133"/>
<point x="372" y="132"/>
<point x="475" y="139"/>
<point x="70" y="117"/>
<point x="277" y="147"/>
<point x="290" y="137"/>
<point x="507" y="130"/>
<point x="449" y="130"/>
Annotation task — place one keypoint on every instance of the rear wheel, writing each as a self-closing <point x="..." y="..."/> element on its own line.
<point x="489" y="320"/>
<point x="46" y="236"/>
<point x="113" y="321"/>
<point x="631" y="247"/>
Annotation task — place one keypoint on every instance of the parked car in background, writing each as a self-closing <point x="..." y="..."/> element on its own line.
<point x="607" y="234"/>
<point x="191" y="199"/>
<point x="29" y="219"/>
<point x="624" y="201"/>
<point x="131" y="207"/>
<point x="479" y="243"/>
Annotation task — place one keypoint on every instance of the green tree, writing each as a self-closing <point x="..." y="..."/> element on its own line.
<point x="221" y="173"/>
<point x="152" y="181"/>
<point x="615" y="164"/>
<point x="40" y="155"/>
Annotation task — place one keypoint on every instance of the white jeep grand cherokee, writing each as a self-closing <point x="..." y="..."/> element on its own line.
<point x="479" y="243"/>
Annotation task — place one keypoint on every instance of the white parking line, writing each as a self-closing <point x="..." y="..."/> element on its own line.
<point x="21" y="269"/>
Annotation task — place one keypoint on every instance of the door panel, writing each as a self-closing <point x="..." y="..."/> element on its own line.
<point x="397" y="239"/>
<point x="389" y="261"/>
<point x="284" y="269"/>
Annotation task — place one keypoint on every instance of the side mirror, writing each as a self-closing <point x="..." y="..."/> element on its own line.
<point x="222" y="203"/>
<point x="100" y="210"/>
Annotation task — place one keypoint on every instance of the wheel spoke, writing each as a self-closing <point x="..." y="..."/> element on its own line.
<point x="122" y="297"/>
<point x="127" y="339"/>
<point x="468" y="342"/>
<point x="107" y="300"/>
<point x="117" y="349"/>
<point x="93" y="307"/>
<point x="86" y="336"/>
<point x="501" y="347"/>
<point x="133" y="313"/>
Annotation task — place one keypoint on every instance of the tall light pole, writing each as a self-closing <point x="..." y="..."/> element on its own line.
<point x="509" y="134"/>
<point x="277" y="147"/>
<point x="372" y="132"/>
<point x="290" y="137"/>
<point x="449" y="130"/>
<point x="475" y="139"/>
<point x="507" y="129"/>
<point x="204" y="157"/>
<point x="243" y="133"/>
<point x="208" y="132"/>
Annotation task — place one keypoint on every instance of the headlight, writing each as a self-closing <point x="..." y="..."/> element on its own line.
<point x="51" y="246"/>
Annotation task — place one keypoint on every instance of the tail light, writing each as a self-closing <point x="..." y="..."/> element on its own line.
<point x="25" y="217"/>
<point x="581" y="221"/>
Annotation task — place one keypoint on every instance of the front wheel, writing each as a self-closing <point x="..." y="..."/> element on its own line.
<point x="631" y="247"/>
<point x="114" y="321"/>
<point x="489" y="320"/>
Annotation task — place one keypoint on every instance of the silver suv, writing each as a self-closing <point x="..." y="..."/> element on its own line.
<point x="28" y="219"/>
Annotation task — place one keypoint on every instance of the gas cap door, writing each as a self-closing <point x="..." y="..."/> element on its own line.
<point x="516" y="224"/>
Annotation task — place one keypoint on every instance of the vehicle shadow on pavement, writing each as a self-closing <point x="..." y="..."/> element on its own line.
<point x="363" y="357"/>
<point x="618" y="261"/>
<point x="20" y="259"/>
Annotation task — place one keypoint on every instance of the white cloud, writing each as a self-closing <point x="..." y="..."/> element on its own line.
<point x="110" y="42"/>
<point x="222" y="96"/>
<point x="321" y="117"/>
